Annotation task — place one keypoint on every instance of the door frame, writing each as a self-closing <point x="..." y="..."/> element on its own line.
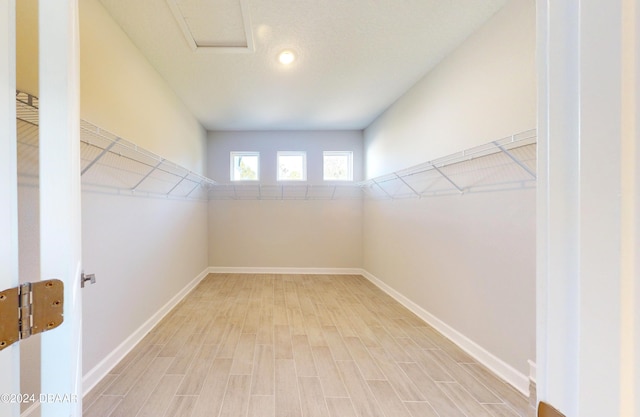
<point x="60" y="215"/>
<point x="9" y="357"/>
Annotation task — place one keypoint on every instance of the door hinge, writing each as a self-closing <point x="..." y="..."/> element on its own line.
<point x="29" y="309"/>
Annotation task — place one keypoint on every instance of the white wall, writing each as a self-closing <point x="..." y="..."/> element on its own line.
<point x="484" y="90"/>
<point x="143" y="252"/>
<point x="467" y="260"/>
<point x="285" y="233"/>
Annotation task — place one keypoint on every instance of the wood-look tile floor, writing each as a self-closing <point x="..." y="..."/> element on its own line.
<point x="298" y="345"/>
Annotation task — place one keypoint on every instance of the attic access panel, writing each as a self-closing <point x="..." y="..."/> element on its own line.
<point x="214" y="25"/>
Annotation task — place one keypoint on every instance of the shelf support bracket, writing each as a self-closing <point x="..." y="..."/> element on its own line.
<point x="97" y="158"/>
<point x="147" y="176"/>
<point x="407" y="184"/>
<point x="448" y="179"/>
<point x="516" y="160"/>
<point x="193" y="189"/>
<point x="383" y="190"/>
<point x="178" y="183"/>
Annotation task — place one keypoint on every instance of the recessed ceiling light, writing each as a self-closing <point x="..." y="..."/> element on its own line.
<point x="286" y="57"/>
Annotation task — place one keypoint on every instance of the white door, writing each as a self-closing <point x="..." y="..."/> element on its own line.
<point x="60" y="201"/>
<point x="9" y="357"/>
<point x="61" y="388"/>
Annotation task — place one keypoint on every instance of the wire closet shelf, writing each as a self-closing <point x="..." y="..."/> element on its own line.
<point x="112" y="164"/>
<point x="508" y="163"/>
<point x="108" y="162"/>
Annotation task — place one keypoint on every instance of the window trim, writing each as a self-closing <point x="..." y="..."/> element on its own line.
<point x="349" y="154"/>
<point x="292" y="153"/>
<point x="232" y="156"/>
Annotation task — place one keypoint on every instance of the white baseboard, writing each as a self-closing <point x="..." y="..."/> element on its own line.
<point x="91" y="378"/>
<point x="505" y="371"/>
<point x="533" y="368"/>
<point x="271" y="270"/>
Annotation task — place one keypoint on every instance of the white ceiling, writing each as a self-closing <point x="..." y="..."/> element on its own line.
<point x="354" y="57"/>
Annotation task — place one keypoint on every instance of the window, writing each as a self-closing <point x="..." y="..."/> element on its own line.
<point x="245" y="166"/>
<point x="338" y="166"/>
<point x="292" y="166"/>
